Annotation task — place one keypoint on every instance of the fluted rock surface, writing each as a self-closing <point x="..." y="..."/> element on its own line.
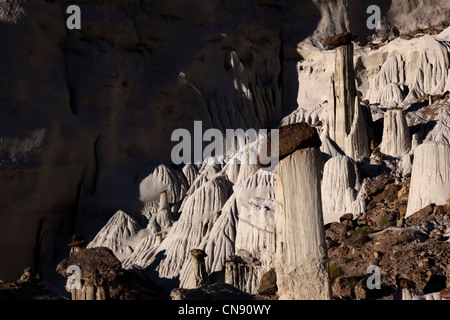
<point x="301" y="254"/>
<point x="430" y="178"/>
<point x="346" y="124"/>
<point x="115" y="233"/>
<point x="338" y="187"/>
<point x="396" y="137"/>
<point x="199" y="212"/>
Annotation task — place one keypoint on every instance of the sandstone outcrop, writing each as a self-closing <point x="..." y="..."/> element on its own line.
<point x="430" y="178"/>
<point x="396" y="137"/>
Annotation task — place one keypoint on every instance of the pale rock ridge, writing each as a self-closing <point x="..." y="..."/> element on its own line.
<point x="396" y="140"/>
<point x="115" y="233"/>
<point x="391" y="94"/>
<point x="220" y="243"/>
<point x="199" y="211"/>
<point x="143" y="251"/>
<point x="415" y="141"/>
<point x="338" y="188"/>
<point x="301" y="254"/>
<point x="431" y="168"/>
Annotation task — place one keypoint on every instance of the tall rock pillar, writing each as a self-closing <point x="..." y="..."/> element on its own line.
<point x="301" y="262"/>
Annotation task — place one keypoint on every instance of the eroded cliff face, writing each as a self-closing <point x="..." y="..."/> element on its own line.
<point x="84" y="112"/>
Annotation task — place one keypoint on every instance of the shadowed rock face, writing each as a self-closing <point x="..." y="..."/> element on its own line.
<point x="340" y="39"/>
<point x="291" y="137"/>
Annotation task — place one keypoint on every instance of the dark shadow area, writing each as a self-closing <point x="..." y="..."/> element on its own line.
<point x="417" y="105"/>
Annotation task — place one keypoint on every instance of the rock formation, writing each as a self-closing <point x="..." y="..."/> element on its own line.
<point x="301" y="255"/>
<point x="290" y="138"/>
<point x="163" y="218"/>
<point x="430" y="177"/>
<point x="243" y="272"/>
<point x="199" y="276"/>
<point x="396" y="137"/>
<point x="99" y="268"/>
<point x="345" y="120"/>
<point x="339" y="184"/>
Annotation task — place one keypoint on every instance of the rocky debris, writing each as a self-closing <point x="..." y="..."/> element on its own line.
<point x="290" y="138"/>
<point x="335" y="233"/>
<point x="340" y="39"/>
<point x="115" y="234"/>
<point x="424" y="212"/>
<point x="216" y="291"/>
<point x="199" y="277"/>
<point x="387" y="203"/>
<point x="346" y="288"/>
<point x="29" y="277"/>
<point x="302" y="271"/>
<point x="417" y="252"/>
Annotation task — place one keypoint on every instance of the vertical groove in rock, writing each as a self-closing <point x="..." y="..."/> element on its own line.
<point x="338" y="188"/>
<point x="345" y="119"/>
<point x="396" y="137"/>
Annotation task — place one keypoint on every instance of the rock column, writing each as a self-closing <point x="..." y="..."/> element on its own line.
<point x="198" y="277"/>
<point x="301" y="262"/>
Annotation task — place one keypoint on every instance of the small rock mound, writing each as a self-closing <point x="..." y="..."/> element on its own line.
<point x="340" y="39"/>
<point x="291" y="137"/>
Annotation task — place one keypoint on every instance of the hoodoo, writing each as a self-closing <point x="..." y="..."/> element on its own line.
<point x="301" y="254"/>
<point x="338" y="188"/>
<point x="198" y="277"/>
